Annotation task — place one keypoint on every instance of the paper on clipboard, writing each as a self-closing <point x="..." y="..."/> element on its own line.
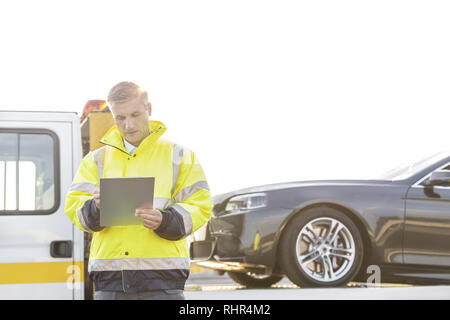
<point x="120" y="197"/>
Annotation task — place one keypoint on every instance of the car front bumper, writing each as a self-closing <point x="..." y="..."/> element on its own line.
<point x="221" y="248"/>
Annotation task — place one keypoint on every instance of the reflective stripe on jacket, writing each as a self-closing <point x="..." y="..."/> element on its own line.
<point x="135" y="258"/>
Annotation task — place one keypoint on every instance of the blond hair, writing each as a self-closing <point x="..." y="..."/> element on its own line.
<point x="126" y="91"/>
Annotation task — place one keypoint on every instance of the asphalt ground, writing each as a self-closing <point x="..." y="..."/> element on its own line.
<point x="209" y="286"/>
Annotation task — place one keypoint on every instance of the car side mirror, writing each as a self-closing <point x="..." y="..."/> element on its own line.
<point x="439" y="178"/>
<point x="202" y="250"/>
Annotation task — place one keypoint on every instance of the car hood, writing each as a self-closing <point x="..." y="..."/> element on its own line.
<point x="297" y="184"/>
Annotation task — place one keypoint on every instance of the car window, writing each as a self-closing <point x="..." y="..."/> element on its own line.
<point x="27" y="173"/>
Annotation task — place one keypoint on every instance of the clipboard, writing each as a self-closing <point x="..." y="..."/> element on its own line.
<point x="120" y="197"/>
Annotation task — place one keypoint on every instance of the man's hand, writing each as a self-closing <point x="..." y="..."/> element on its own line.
<point x="97" y="198"/>
<point x="152" y="217"/>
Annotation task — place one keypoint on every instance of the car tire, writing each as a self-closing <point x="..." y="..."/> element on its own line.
<point x="312" y="256"/>
<point x="251" y="280"/>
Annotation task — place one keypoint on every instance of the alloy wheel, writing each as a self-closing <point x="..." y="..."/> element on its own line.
<point x="325" y="249"/>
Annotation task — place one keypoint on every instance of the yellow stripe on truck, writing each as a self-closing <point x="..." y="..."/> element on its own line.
<point x="41" y="272"/>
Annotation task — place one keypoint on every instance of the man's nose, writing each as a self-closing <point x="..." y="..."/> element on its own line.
<point x="129" y="124"/>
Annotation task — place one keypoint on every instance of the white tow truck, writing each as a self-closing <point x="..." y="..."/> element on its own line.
<point x="42" y="254"/>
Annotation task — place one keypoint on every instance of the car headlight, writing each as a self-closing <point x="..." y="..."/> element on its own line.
<point x="246" y="202"/>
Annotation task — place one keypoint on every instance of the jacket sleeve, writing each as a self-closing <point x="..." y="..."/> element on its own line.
<point x="80" y="206"/>
<point x="193" y="204"/>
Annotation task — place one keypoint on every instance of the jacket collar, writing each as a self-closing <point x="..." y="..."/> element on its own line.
<point x="113" y="137"/>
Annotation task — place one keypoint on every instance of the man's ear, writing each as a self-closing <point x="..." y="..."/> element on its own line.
<point x="149" y="109"/>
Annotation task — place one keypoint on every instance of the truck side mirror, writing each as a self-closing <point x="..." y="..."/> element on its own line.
<point x="439" y="178"/>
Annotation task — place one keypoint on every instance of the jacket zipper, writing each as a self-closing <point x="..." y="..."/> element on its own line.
<point x="123" y="283"/>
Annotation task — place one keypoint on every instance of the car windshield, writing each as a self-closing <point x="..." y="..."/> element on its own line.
<point x="404" y="172"/>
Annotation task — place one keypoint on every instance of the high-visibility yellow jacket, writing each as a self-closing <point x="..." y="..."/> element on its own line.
<point x="134" y="258"/>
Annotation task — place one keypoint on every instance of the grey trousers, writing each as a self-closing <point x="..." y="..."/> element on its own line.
<point x="146" y="295"/>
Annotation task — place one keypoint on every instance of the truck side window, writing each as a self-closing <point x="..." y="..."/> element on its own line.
<point x="27" y="173"/>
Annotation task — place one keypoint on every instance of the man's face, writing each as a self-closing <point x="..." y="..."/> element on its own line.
<point x="132" y="120"/>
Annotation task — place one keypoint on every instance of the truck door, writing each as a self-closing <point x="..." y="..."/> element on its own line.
<point x="36" y="237"/>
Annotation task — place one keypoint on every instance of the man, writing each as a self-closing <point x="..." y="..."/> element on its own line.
<point x="148" y="261"/>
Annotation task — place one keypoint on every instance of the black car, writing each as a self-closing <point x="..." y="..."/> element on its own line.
<point x="328" y="233"/>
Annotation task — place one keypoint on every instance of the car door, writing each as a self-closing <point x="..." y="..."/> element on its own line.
<point x="36" y="237"/>
<point x="427" y="224"/>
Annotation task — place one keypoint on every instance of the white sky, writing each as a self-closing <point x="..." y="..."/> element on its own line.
<point x="262" y="91"/>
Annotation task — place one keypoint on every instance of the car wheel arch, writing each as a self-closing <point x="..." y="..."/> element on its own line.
<point x="352" y="214"/>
